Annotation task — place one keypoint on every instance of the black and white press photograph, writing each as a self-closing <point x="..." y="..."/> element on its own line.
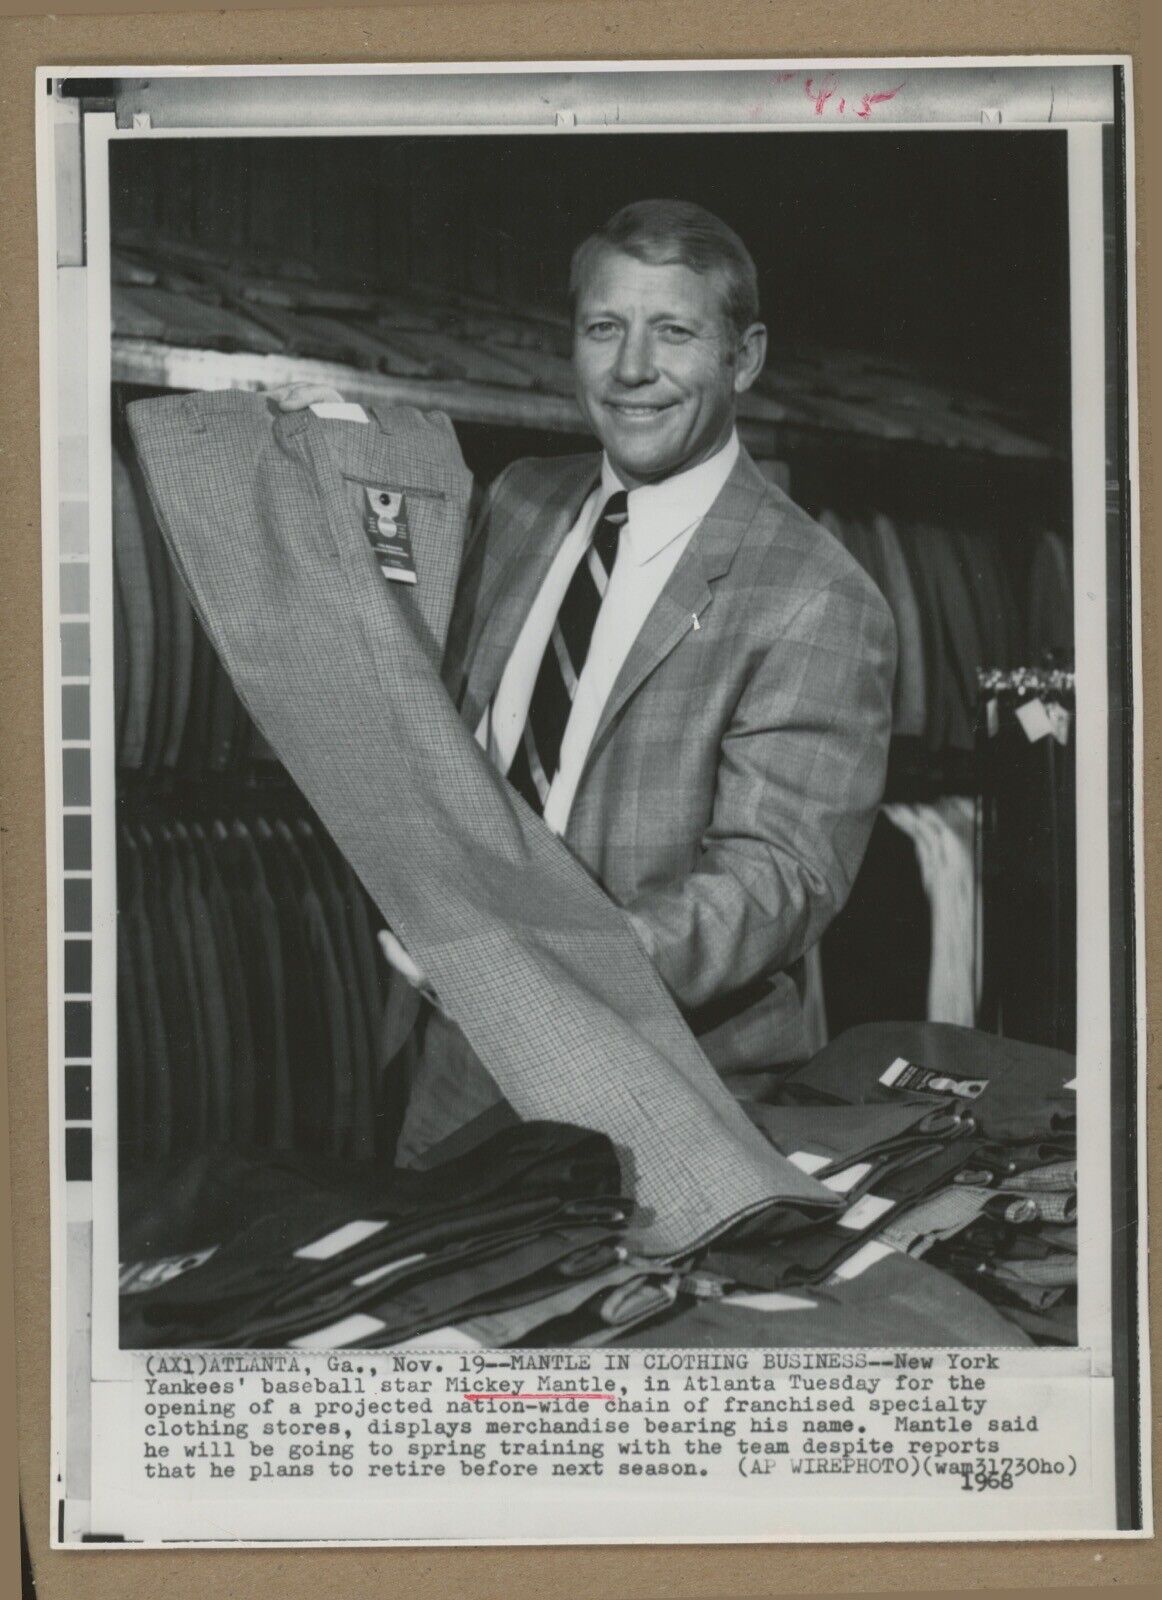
<point x="581" y="688"/>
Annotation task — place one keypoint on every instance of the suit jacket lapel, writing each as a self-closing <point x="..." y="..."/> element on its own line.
<point x="689" y="589"/>
<point x="511" y="592"/>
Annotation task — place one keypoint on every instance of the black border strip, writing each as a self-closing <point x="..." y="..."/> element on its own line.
<point x="1124" y="1130"/>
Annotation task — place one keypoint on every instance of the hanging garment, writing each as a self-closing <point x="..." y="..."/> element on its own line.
<point x="138" y="969"/>
<point x="967" y="551"/>
<point x="815" y="1034"/>
<point x="265" y="516"/>
<point x="964" y="653"/>
<point x="877" y="954"/>
<point x="161" y="595"/>
<point x="354" y="1068"/>
<point x="226" y="722"/>
<point x="944" y="839"/>
<point x="941" y="722"/>
<point x="327" y="963"/>
<point x="993" y="602"/>
<point x="241" y="1088"/>
<point x="264" y="972"/>
<point x="181" y="645"/>
<point x="179" y="318"/>
<point x="132" y="1059"/>
<point x="120" y="668"/>
<point x="311" y="1045"/>
<point x="269" y="984"/>
<point x="1029" y="855"/>
<point x="910" y="704"/>
<point x="195" y="744"/>
<point x="133" y="587"/>
<point x="213" y="1015"/>
<point x="178" y="970"/>
<point x="1050" y="603"/>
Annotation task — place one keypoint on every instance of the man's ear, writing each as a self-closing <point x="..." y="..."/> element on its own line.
<point x="750" y="357"/>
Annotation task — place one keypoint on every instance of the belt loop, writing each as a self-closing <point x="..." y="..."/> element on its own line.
<point x="382" y="413"/>
<point x="289" y="424"/>
<point x="194" y="405"/>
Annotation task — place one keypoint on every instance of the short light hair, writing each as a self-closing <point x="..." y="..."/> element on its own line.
<point x="677" y="233"/>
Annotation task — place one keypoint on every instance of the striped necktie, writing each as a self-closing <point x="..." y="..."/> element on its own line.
<point x="538" y="755"/>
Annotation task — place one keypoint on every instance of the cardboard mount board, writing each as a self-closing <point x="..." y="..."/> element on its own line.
<point x="466" y="31"/>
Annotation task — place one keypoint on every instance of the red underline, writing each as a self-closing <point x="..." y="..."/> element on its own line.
<point x="564" y="1394"/>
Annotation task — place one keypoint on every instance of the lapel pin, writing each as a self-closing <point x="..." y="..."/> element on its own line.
<point x="697" y="624"/>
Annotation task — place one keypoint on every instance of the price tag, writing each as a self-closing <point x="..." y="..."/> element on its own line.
<point x="866" y="1211"/>
<point x="339" y="411"/>
<point x="919" y="1080"/>
<point x="340" y="1239"/>
<point x="808" y="1160"/>
<point x="1059" y="720"/>
<point x="842" y="1182"/>
<point x="376" y="1273"/>
<point x="764" y="1301"/>
<point x="386" y="525"/>
<point x="1034" y="718"/>
<point x="868" y="1255"/>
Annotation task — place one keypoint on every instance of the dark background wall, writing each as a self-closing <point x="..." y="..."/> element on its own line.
<point x="946" y="250"/>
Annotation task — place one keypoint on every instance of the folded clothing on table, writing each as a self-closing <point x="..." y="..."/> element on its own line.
<point x="1018" y="1092"/>
<point x="521" y="1239"/>
<point x="898" y="1301"/>
<point x="946" y="1144"/>
<point x="276" y="1250"/>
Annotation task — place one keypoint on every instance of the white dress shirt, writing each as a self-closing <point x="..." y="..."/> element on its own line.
<point x="663" y="518"/>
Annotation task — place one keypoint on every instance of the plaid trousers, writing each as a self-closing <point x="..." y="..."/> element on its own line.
<point x="340" y="670"/>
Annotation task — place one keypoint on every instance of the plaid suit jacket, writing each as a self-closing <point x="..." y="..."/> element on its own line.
<point x="733" y="780"/>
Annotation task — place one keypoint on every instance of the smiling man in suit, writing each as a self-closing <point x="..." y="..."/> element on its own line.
<point x="686" y="675"/>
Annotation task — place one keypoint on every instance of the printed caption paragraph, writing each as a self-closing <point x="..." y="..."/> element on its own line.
<point x="969" y="1422"/>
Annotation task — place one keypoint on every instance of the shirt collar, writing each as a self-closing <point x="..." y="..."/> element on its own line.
<point x="659" y="512"/>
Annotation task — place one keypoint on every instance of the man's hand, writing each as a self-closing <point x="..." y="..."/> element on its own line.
<point x="398" y="958"/>
<point x="298" y="396"/>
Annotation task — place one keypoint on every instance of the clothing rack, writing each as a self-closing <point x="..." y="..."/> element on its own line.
<point x="251" y="993"/>
<point x="1056" y="683"/>
<point x="969" y="608"/>
<point x="1026" y="748"/>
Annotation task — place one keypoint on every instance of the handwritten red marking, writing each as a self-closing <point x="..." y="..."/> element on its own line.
<point x="565" y="1394"/>
<point x="821" y="95"/>
<point x="870" y="100"/>
<point x="785" y="77"/>
<point x="842" y="107"/>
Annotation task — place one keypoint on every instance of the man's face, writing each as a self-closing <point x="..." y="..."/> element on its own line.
<point x="658" y="366"/>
